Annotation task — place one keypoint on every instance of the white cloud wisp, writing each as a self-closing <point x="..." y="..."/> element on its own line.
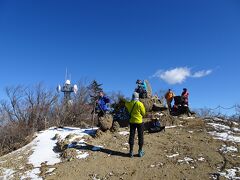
<point x="179" y="75"/>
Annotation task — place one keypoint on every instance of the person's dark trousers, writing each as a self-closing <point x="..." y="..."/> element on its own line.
<point x="133" y="128"/>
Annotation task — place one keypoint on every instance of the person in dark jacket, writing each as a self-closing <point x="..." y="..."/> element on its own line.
<point x="185" y="95"/>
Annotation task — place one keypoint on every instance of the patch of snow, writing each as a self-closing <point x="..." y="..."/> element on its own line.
<point x="225" y="136"/>
<point x="219" y="126"/>
<point x="43" y="144"/>
<point x="191" y="117"/>
<point x="124" y="133"/>
<point x="174" y="155"/>
<point x="32" y="174"/>
<point x="186" y="159"/>
<point x="7" y="174"/>
<point x="236" y="129"/>
<point x="201" y="159"/>
<point x="50" y="170"/>
<point x="82" y="155"/>
<point x="235" y="123"/>
<point x="169" y="127"/>
<point x="190" y="132"/>
<point x="231" y="173"/>
<point x="226" y="149"/>
<point x="97" y="148"/>
<point x="218" y="119"/>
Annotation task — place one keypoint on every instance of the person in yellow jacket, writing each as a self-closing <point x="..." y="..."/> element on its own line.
<point x="169" y="97"/>
<point x="136" y="110"/>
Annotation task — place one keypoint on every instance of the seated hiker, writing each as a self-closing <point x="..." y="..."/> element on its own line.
<point x="184" y="96"/>
<point x="177" y="107"/>
<point x="102" y="104"/>
<point x="169" y="97"/>
<point x="141" y="88"/>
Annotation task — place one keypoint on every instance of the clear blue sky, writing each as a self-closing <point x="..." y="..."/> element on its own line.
<point x="173" y="44"/>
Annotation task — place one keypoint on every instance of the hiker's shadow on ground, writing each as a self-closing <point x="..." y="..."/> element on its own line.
<point x="110" y="152"/>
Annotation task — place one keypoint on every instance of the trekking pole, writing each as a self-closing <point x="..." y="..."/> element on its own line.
<point x="93" y="115"/>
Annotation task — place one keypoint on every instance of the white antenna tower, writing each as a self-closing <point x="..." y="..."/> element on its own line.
<point x="67" y="75"/>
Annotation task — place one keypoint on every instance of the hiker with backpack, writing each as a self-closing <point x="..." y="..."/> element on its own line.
<point x="141" y="88"/>
<point x="185" y="105"/>
<point x="169" y="97"/>
<point x="136" y="110"/>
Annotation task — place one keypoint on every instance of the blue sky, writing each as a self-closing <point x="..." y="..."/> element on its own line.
<point x="173" y="44"/>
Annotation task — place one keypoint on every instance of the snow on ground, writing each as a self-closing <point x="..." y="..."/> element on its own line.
<point x="229" y="149"/>
<point x="169" y="127"/>
<point x="186" y="160"/>
<point x="225" y="136"/>
<point x="174" y="155"/>
<point x="219" y="126"/>
<point x="50" y="170"/>
<point x="236" y="129"/>
<point x="82" y="155"/>
<point x="43" y="144"/>
<point x="124" y="133"/>
<point x="43" y="148"/>
<point x="97" y="148"/>
<point x="32" y="174"/>
<point x="231" y="173"/>
<point x="7" y="174"/>
<point x="186" y="118"/>
<point x="201" y="159"/>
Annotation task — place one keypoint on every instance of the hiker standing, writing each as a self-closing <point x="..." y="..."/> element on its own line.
<point x="102" y="104"/>
<point x="169" y="97"/>
<point x="137" y="111"/>
<point x="185" y="95"/>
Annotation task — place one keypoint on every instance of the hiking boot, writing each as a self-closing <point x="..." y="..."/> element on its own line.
<point x="131" y="154"/>
<point x="141" y="153"/>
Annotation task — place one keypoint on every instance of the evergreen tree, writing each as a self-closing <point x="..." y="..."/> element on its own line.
<point x="94" y="89"/>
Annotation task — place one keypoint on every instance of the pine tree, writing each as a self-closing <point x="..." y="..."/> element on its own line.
<point x="94" y="89"/>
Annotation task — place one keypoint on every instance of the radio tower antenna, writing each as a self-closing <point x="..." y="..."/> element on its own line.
<point x="66" y="74"/>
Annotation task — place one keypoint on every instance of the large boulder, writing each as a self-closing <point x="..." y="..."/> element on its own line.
<point x="152" y="104"/>
<point x="149" y="89"/>
<point x="105" y="122"/>
<point x="115" y="126"/>
<point x="148" y="103"/>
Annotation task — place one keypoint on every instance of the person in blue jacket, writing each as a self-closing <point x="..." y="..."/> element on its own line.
<point x="102" y="104"/>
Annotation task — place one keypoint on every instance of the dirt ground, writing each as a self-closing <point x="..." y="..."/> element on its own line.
<point x="183" y="152"/>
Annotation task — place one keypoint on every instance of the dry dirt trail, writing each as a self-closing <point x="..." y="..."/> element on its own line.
<point x="183" y="152"/>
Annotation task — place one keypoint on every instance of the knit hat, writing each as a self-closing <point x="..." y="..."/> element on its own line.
<point x="135" y="96"/>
